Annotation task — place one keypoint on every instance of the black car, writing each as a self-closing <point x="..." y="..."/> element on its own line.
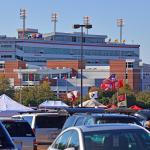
<point x="144" y="117"/>
<point x="90" y="119"/>
<point x="5" y="139"/>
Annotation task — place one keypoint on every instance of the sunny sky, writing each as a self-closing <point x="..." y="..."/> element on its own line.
<point x="103" y="15"/>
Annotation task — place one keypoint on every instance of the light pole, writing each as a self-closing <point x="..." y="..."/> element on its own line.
<point x="54" y="18"/>
<point x="87" y="26"/>
<point x="120" y="23"/>
<point x="23" y="14"/>
<point x="86" y="20"/>
<point x="20" y="89"/>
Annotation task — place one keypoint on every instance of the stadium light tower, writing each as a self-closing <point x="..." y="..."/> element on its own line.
<point x="54" y="19"/>
<point x="86" y="20"/>
<point x="120" y="23"/>
<point x="87" y="26"/>
<point x="23" y="14"/>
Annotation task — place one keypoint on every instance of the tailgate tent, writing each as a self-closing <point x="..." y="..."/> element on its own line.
<point x="92" y="103"/>
<point x="52" y="104"/>
<point x="8" y="106"/>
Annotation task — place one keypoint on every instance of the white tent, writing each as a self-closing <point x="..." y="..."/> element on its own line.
<point x="92" y="103"/>
<point x="8" y="104"/>
<point x="52" y="104"/>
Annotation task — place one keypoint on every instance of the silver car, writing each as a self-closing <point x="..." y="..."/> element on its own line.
<point x="21" y="133"/>
<point x="103" y="137"/>
<point x="46" y="126"/>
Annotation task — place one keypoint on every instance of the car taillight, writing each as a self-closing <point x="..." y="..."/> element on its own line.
<point x="34" y="145"/>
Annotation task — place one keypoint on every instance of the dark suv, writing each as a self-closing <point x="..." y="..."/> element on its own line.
<point x="6" y="142"/>
<point x="90" y="119"/>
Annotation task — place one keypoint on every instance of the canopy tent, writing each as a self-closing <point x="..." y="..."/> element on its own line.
<point x="135" y="107"/>
<point x="53" y="104"/>
<point x="7" y="104"/>
<point x="92" y="103"/>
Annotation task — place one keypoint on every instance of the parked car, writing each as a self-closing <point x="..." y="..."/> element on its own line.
<point x="144" y="117"/>
<point x="103" y="137"/>
<point x="21" y="133"/>
<point x="89" y="119"/>
<point x="46" y="126"/>
<point x="6" y="142"/>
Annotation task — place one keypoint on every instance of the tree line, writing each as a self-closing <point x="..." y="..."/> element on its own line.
<point x="34" y="95"/>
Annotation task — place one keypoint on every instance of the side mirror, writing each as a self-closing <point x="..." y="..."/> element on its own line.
<point x="70" y="148"/>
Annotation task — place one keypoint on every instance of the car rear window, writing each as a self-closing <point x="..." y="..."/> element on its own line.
<point x="18" y="129"/>
<point x="5" y="141"/>
<point x="50" y="121"/>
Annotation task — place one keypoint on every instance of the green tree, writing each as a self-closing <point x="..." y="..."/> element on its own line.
<point x="5" y="87"/>
<point x="34" y="95"/>
<point x="143" y="99"/>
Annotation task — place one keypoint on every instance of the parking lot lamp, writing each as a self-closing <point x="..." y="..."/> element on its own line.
<point x="76" y="26"/>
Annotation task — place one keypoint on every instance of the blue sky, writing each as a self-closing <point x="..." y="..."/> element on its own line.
<point x="103" y="14"/>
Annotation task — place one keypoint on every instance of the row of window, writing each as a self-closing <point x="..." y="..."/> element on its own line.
<point x="6" y="56"/>
<point x="38" y="50"/>
<point x="37" y="77"/>
<point x="6" y="46"/>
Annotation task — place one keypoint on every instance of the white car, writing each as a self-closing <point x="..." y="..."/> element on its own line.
<point x="103" y="137"/>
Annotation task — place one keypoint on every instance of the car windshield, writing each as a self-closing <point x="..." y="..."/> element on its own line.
<point x="18" y="129"/>
<point x="117" y="120"/>
<point x="117" y="140"/>
<point x="50" y="121"/>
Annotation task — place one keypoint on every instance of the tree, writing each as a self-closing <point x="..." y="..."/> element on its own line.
<point x="34" y="95"/>
<point x="143" y="99"/>
<point x="5" y="87"/>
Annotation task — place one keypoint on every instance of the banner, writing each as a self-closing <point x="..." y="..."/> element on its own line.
<point x="122" y="100"/>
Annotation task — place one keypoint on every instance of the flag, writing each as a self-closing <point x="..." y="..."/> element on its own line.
<point x="75" y="93"/>
<point x="109" y="83"/>
<point x="122" y="100"/>
<point x="69" y="95"/>
<point x="112" y="77"/>
<point x="72" y="95"/>
<point x="119" y="84"/>
<point x="121" y="97"/>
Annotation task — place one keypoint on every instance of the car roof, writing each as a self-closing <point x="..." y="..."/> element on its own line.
<point x="144" y="113"/>
<point x="36" y="114"/>
<point x="73" y="110"/>
<point x="12" y="120"/>
<point x="110" y="126"/>
<point x="113" y="115"/>
<point x="116" y="115"/>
